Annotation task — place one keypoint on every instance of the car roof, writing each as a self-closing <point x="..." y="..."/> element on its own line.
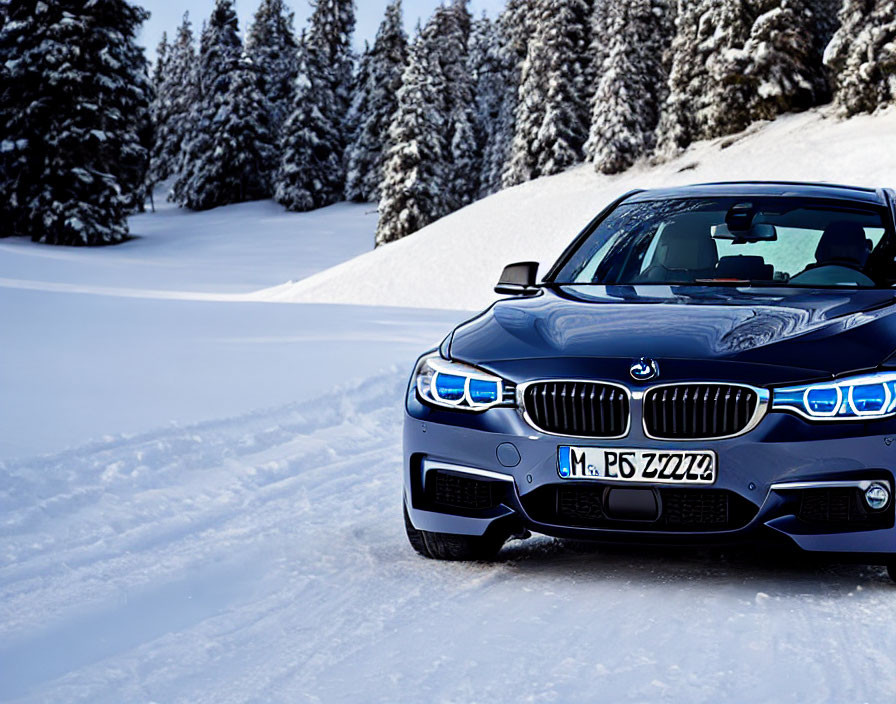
<point x="765" y="188"/>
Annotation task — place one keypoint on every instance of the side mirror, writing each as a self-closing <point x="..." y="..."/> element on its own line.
<point x="518" y="279"/>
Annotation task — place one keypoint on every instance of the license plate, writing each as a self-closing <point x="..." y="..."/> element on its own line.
<point x="649" y="466"/>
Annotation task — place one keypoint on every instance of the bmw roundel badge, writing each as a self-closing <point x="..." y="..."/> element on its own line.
<point x="644" y="369"/>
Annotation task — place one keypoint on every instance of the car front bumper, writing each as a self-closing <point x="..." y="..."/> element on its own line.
<point x="775" y="478"/>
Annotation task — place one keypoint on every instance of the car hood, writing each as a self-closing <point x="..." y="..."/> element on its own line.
<point x="808" y="332"/>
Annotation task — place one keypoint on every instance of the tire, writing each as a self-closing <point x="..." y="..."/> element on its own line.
<point x="891" y="568"/>
<point x="447" y="546"/>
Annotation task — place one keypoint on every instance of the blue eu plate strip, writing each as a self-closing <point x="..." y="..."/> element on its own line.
<point x="563" y="461"/>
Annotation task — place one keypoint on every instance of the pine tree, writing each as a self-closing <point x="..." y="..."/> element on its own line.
<point x="552" y="115"/>
<point x="703" y="101"/>
<point x="512" y="31"/>
<point x="176" y="94"/>
<point x="413" y="183"/>
<point x="625" y="110"/>
<point x="432" y="153"/>
<point x="488" y="72"/>
<point x="604" y="15"/>
<point x="827" y="22"/>
<point x="228" y="154"/>
<point x="375" y="105"/>
<point x="271" y="45"/>
<point x="862" y="56"/>
<point x="312" y="165"/>
<point x="454" y="27"/>
<point x="162" y="58"/>
<point x="74" y="107"/>
<point x="244" y="136"/>
<point x="356" y="149"/>
<point x="779" y="62"/>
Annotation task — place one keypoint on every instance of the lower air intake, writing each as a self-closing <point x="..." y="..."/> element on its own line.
<point x="841" y="508"/>
<point x="691" y="510"/>
<point x="458" y="491"/>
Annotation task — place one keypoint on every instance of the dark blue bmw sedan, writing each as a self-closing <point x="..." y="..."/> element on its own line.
<point x="706" y="364"/>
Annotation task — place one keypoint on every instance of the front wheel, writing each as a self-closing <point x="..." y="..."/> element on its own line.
<point x="891" y="568"/>
<point x="448" y="546"/>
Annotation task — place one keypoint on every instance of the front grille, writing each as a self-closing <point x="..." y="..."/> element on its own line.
<point x="691" y="411"/>
<point x="583" y="408"/>
<point x="458" y="491"/>
<point x="693" y="510"/>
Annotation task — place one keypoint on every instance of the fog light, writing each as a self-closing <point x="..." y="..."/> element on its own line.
<point x="877" y="496"/>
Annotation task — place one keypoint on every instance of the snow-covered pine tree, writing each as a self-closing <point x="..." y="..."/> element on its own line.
<point x="157" y="112"/>
<point x="862" y="56"/>
<point x="74" y="106"/>
<point x="414" y="175"/>
<point x="162" y="57"/>
<point x="512" y="30"/>
<point x="465" y="161"/>
<point x="625" y="110"/>
<point x="431" y="164"/>
<point x="244" y="136"/>
<point x="703" y="101"/>
<point x="779" y="63"/>
<point x="552" y="114"/>
<point x="228" y="154"/>
<point x="602" y="17"/>
<point x="311" y="173"/>
<point x="827" y="21"/>
<point x="271" y="45"/>
<point x="23" y="31"/>
<point x="489" y="72"/>
<point x="176" y="95"/>
<point x="374" y="106"/>
<point x="355" y="150"/>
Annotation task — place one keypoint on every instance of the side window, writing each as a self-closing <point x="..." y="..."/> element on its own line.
<point x="875" y="234"/>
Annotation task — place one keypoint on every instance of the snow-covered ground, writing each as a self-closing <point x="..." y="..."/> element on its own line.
<point x="223" y="253"/>
<point x="262" y="558"/>
<point x="456" y="261"/>
<point x="200" y="493"/>
<point x="164" y="329"/>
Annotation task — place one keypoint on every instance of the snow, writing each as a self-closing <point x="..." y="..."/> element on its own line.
<point x="165" y="328"/>
<point x="262" y="558"/>
<point x="200" y="490"/>
<point x="455" y="262"/>
<point x="237" y="249"/>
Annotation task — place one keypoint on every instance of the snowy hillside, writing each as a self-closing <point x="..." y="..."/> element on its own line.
<point x="455" y="262"/>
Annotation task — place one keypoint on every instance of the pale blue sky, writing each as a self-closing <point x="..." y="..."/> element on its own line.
<point x="166" y="15"/>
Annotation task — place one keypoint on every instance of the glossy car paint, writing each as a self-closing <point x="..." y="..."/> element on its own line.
<point x="764" y="337"/>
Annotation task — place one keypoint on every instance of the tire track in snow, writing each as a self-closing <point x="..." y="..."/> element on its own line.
<point x="262" y="558"/>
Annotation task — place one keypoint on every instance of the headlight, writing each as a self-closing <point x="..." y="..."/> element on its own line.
<point x="863" y="396"/>
<point x="457" y="385"/>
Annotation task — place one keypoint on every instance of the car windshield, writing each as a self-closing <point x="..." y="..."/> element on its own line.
<point x="777" y="241"/>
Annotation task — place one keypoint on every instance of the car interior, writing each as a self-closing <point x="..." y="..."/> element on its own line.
<point x="686" y="252"/>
